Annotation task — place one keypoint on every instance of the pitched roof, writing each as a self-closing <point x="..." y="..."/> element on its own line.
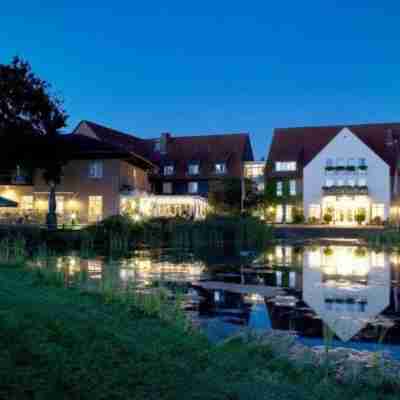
<point x="303" y="144"/>
<point x="205" y="149"/>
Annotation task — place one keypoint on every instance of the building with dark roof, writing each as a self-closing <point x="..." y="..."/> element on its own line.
<point x="338" y="174"/>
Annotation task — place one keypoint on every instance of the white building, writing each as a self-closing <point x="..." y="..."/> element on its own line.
<point x="341" y="175"/>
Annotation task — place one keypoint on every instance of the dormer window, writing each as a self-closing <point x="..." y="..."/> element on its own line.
<point x="157" y="146"/>
<point x="194" y="169"/>
<point x="220" y="168"/>
<point x="168" y="170"/>
<point x="285" y="166"/>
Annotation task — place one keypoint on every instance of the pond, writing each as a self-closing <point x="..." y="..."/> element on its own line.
<point x="302" y="287"/>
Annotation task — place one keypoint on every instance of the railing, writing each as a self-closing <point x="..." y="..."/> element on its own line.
<point x="343" y="190"/>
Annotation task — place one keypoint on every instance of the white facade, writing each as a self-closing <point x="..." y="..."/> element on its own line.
<point x="359" y="189"/>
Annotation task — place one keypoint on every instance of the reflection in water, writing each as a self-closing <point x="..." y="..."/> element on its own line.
<point x="352" y="289"/>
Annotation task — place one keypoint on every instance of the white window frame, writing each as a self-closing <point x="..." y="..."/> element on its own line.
<point x="95" y="208"/>
<point x="279" y="188"/>
<point x="96" y="169"/>
<point x="168" y="170"/>
<point x="284" y="166"/>
<point x="292" y="187"/>
<point x="220" y="168"/>
<point x="167" y="187"/>
<point x="193" y="187"/>
<point x="194" y="169"/>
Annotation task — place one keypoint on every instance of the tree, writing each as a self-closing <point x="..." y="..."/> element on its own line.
<point x="31" y="117"/>
<point x="225" y="194"/>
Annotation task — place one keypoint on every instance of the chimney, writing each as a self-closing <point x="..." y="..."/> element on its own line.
<point x="164" y="138"/>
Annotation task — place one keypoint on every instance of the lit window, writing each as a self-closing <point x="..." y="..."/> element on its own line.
<point x="351" y="182"/>
<point x="315" y="211"/>
<point x="220" y="168"/>
<point x="27" y="203"/>
<point x="292" y="279"/>
<point x="260" y="187"/>
<point x="329" y="162"/>
<point x="279" y="213"/>
<point x="167" y="187"/>
<point x="193" y="187"/>
<point x="362" y="182"/>
<point x="96" y="169"/>
<point x="289" y="213"/>
<point x="378" y="211"/>
<point x="168" y="170"/>
<point x="279" y="280"/>
<point x="279" y="188"/>
<point x="194" y="169"/>
<point x="340" y="182"/>
<point x="292" y="187"/>
<point x="285" y="166"/>
<point x="95" y="208"/>
<point x="60" y="204"/>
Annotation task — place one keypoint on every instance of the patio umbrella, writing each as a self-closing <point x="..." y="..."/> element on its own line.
<point x="7" y="203"/>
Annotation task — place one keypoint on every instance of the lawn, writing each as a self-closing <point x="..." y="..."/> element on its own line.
<point x="58" y="343"/>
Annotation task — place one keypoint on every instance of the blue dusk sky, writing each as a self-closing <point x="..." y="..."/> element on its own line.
<point x="193" y="67"/>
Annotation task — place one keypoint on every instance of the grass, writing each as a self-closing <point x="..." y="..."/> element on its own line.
<point x="59" y="343"/>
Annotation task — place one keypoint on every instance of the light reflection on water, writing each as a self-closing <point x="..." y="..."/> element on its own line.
<point x="351" y="289"/>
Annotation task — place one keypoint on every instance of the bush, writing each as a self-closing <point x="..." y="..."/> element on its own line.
<point x="313" y="220"/>
<point x="377" y="221"/>
<point x="360" y="217"/>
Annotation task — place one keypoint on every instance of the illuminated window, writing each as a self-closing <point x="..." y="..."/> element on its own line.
<point x="96" y="169"/>
<point x="27" y="203"/>
<point x="95" y="208"/>
<point x="340" y="182"/>
<point x="167" y="187"/>
<point x="279" y="213"/>
<point x="157" y="146"/>
<point x="377" y="259"/>
<point x="315" y="211"/>
<point x="351" y="182"/>
<point x="292" y="279"/>
<point x="279" y="280"/>
<point x="378" y="211"/>
<point x="220" y="168"/>
<point x="168" y="170"/>
<point x="279" y="188"/>
<point x="193" y="187"/>
<point x="285" y="166"/>
<point x="60" y="204"/>
<point x="292" y="187"/>
<point x="194" y="169"/>
<point x="289" y="213"/>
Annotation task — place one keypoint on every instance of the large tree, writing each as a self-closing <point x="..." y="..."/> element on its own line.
<point x="31" y="117"/>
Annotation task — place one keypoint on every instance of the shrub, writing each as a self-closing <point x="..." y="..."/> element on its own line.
<point x="360" y="217"/>
<point x="313" y="220"/>
<point x="377" y="221"/>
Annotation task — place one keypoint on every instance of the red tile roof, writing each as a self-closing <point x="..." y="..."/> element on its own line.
<point x="303" y="144"/>
<point x="205" y="149"/>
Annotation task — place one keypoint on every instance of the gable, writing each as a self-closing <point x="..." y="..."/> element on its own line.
<point x="84" y="129"/>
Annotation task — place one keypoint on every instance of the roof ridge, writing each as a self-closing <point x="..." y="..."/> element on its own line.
<point x="365" y="124"/>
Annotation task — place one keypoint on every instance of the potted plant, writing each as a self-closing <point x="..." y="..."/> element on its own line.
<point x="327" y="218"/>
<point x="360" y="217"/>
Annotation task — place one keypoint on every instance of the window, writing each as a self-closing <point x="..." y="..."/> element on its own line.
<point x="194" y="169"/>
<point x="314" y="211"/>
<point x="289" y="213"/>
<point x="260" y="187"/>
<point x="95" y="208"/>
<point x="60" y="204"/>
<point x="292" y="187"/>
<point x="279" y="214"/>
<point x="351" y="162"/>
<point x="329" y="162"/>
<point x="167" y="187"/>
<point x="193" y="187"/>
<point x="329" y="183"/>
<point x="351" y="182"/>
<point x="27" y="203"/>
<point x="340" y="182"/>
<point x="168" y="170"/>
<point x="279" y="188"/>
<point x="220" y="168"/>
<point x="96" y="169"/>
<point x="378" y="211"/>
<point x="362" y="182"/>
<point x="340" y="162"/>
<point x="285" y="166"/>
<point x="157" y="146"/>
<point x="362" y="162"/>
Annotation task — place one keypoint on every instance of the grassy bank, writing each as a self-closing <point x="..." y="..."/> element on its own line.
<point x="58" y="343"/>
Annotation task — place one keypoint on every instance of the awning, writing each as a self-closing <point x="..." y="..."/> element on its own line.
<point x="7" y="203"/>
